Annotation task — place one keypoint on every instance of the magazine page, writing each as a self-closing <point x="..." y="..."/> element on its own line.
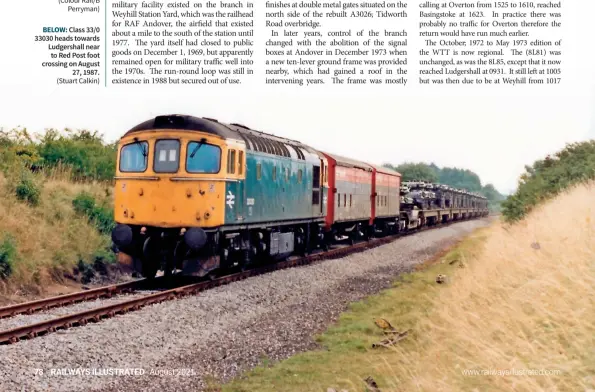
<point x="310" y="195"/>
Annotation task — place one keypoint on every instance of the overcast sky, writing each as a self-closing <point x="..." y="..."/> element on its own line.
<point x="492" y="131"/>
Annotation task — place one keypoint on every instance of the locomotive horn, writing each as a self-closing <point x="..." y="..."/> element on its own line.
<point x="195" y="238"/>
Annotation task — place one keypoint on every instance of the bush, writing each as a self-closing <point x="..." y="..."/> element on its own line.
<point x="102" y="259"/>
<point x="28" y="191"/>
<point x="84" y="203"/>
<point x="82" y="153"/>
<point x="17" y="148"/>
<point x="86" y="271"/>
<point x="548" y="177"/>
<point x="8" y="253"/>
<point x="99" y="215"/>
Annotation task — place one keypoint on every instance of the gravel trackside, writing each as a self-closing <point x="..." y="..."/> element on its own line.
<point x="28" y="319"/>
<point x="220" y="332"/>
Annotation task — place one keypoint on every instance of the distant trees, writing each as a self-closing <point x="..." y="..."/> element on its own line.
<point x="458" y="178"/>
<point x="547" y="177"/>
<point x="415" y="172"/>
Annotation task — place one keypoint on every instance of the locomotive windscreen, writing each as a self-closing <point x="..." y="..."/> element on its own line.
<point x="133" y="157"/>
<point x="167" y="156"/>
<point x="203" y="158"/>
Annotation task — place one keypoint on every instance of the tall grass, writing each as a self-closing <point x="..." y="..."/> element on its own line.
<point x="526" y="303"/>
<point x="45" y="181"/>
<point x="49" y="238"/>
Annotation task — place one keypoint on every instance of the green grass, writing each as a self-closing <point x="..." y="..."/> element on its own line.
<point x="347" y="356"/>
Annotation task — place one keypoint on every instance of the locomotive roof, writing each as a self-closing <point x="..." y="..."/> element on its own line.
<point x="255" y="140"/>
<point x="184" y="123"/>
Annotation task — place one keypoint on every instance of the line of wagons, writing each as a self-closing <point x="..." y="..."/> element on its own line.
<point x="198" y="195"/>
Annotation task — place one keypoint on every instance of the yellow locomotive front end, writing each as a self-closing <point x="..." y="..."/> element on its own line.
<point x="170" y="193"/>
<point x="151" y="190"/>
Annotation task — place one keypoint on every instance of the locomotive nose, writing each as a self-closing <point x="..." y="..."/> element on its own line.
<point x="195" y="238"/>
<point x="122" y="235"/>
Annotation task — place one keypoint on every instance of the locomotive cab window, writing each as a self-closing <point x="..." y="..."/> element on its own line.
<point x="231" y="161"/>
<point x="133" y="157"/>
<point x="316" y="185"/>
<point x="167" y="156"/>
<point x="203" y="158"/>
<point x="316" y="177"/>
<point x="241" y="162"/>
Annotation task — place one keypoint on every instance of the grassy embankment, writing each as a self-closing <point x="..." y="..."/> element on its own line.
<point x="42" y="243"/>
<point x="55" y="211"/>
<point x="519" y="298"/>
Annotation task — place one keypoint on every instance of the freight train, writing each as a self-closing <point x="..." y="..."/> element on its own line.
<point x="200" y="196"/>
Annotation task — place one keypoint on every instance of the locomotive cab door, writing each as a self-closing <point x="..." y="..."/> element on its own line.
<point x="322" y="171"/>
<point x="319" y="192"/>
<point x="240" y="187"/>
<point x="234" y="194"/>
<point x="316" y="194"/>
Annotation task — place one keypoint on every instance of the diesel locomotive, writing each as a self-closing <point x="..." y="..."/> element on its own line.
<point x="199" y="196"/>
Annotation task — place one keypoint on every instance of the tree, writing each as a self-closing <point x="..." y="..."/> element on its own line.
<point x="415" y="172"/>
<point x="491" y="193"/>
<point x="548" y="177"/>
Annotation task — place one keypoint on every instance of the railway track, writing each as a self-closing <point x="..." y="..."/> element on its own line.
<point x="81" y="296"/>
<point x="69" y="299"/>
<point x="97" y="314"/>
